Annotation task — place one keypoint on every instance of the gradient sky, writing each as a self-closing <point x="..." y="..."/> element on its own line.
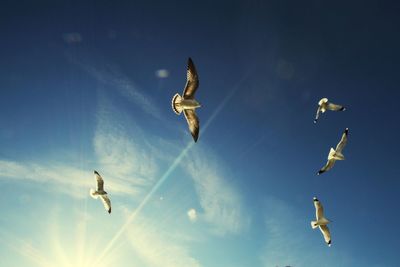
<point x="79" y="91"/>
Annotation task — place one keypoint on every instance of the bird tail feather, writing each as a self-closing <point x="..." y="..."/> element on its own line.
<point x="314" y="224"/>
<point x="93" y="194"/>
<point x="176" y="104"/>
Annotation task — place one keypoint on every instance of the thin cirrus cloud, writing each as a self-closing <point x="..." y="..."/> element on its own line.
<point x="60" y="177"/>
<point x="130" y="166"/>
<point x="157" y="247"/>
<point x="221" y="202"/>
<point x="118" y="153"/>
<point x="284" y="237"/>
<point x="290" y="241"/>
<point x="110" y="76"/>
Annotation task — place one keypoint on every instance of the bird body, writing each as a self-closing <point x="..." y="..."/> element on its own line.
<point x="321" y="221"/>
<point x="95" y="194"/>
<point x="336" y="155"/>
<point x="179" y="104"/>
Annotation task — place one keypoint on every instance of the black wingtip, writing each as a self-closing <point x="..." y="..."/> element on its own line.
<point x="109" y="211"/>
<point x="329" y="243"/>
<point x="320" y="172"/>
<point x="346" y="131"/>
<point x="95" y="172"/>
<point x="343" y="109"/>
<point x="315" y="121"/>
<point x="195" y="136"/>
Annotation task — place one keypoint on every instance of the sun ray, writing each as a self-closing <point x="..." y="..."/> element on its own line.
<point x="25" y="249"/>
<point x="169" y="171"/>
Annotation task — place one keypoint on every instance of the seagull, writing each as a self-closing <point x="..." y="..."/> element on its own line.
<point x="335" y="155"/>
<point x="100" y="192"/>
<point x="323" y="105"/>
<point x="321" y="221"/>
<point x="187" y="103"/>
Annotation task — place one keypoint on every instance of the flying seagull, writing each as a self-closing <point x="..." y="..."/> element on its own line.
<point x="321" y="221"/>
<point x="187" y="103"/>
<point x="335" y="155"/>
<point x="99" y="192"/>
<point x="323" y="105"/>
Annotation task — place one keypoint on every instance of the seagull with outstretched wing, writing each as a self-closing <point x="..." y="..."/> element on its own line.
<point x="187" y="103"/>
<point x="99" y="192"/>
<point x="324" y="105"/>
<point x="335" y="154"/>
<point x="321" y="221"/>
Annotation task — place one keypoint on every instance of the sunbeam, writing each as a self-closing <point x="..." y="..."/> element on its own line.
<point x="169" y="171"/>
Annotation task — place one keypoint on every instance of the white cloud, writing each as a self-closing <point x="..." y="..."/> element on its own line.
<point x="123" y="152"/>
<point x="157" y="247"/>
<point x="290" y="241"/>
<point x="126" y="87"/>
<point x="162" y="73"/>
<point x="221" y="203"/>
<point x="284" y="238"/>
<point x="192" y="215"/>
<point x="64" y="179"/>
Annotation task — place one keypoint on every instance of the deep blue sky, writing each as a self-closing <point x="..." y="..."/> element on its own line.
<point x="68" y="107"/>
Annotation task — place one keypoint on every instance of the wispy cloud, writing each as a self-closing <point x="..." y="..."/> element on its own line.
<point x="121" y="154"/>
<point x="290" y="241"/>
<point x="220" y="201"/>
<point x="157" y="247"/>
<point x="283" y="236"/>
<point x="130" y="163"/>
<point x="60" y="177"/>
<point x="116" y="80"/>
<point x="25" y="249"/>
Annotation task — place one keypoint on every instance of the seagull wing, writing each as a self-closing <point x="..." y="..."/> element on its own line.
<point x="106" y="202"/>
<point x="317" y="115"/>
<point x="192" y="81"/>
<point x="319" y="210"/>
<point x="99" y="180"/>
<point x="343" y="141"/>
<point x="329" y="164"/>
<point x="193" y="122"/>
<point x="325" y="232"/>
<point x="335" y="107"/>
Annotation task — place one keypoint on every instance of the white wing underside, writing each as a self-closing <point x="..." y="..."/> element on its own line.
<point x="329" y="165"/>
<point x="325" y="232"/>
<point x="342" y="143"/>
<point x="318" y="112"/>
<point x="106" y="202"/>
<point x="192" y="81"/>
<point x="193" y="122"/>
<point x="319" y="210"/>
<point x="99" y="182"/>
<point x="334" y="107"/>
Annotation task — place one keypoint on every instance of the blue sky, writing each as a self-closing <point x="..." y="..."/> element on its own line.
<point x="79" y="92"/>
